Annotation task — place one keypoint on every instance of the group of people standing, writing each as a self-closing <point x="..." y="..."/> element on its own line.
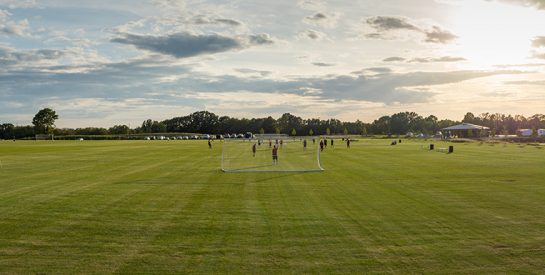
<point x="280" y="143"/>
<point x="323" y="143"/>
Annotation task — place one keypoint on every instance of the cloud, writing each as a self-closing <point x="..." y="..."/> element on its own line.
<point x="10" y="57"/>
<point x="322" y="19"/>
<point x="374" y="71"/>
<point x="227" y="21"/>
<point x="539" y="55"/>
<point x="437" y="35"/>
<point x="8" y="27"/>
<point x="143" y="80"/>
<point x="322" y="64"/>
<point x="385" y="24"/>
<point x="520" y="65"/>
<point x="526" y="82"/>
<point x="170" y="5"/>
<point x="317" y="17"/>
<point x="424" y="59"/>
<point x="436" y="59"/>
<point x="393" y="59"/>
<point x="183" y="45"/>
<point x="260" y="39"/>
<point x="539" y="4"/>
<point x="538" y="42"/>
<point x="313" y="34"/>
<point x="312" y="5"/>
<point x="501" y="94"/>
<point x="15" y="4"/>
<point x="382" y="70"/>
<point x="203" y="20"/>
<point x="253" y="71"/>
<point x="391" y="88"/>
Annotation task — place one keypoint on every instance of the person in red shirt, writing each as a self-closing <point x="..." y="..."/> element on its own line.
<point x="275" y="154"/>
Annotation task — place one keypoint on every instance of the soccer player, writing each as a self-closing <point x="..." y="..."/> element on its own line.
<point x="281" y="143"/>
<point x="275" y="154"/>
<point x="209" y="144"/>
<point x="270" y="143"/>
<point x="331" y="142"/>
<point x="325" y="142"/>
<point x="305" y="144"/>
<point x="321" y="145"/>
<point x="347" y="143"/>
<point x="253" y="149"/>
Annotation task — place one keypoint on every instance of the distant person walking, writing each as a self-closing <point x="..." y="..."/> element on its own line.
<point x="275" y="154"/>
<point x="347" y="143"/>
<point x="321" y="145"/>
<point x="331" y="142"/>
<point x="254" y="149"/>
<point x="305" y="144"/>
<point x="325" y="142"/>
<point x="209" y="144"/>
<point x="270" y="143"/>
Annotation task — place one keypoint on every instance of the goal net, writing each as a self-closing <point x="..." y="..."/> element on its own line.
<point x="292" y="155"/>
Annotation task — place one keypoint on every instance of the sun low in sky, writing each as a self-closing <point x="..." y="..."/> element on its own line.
<point x="100" y="63"/>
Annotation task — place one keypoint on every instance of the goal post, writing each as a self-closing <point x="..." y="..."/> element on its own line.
<point x="292" y="154"/>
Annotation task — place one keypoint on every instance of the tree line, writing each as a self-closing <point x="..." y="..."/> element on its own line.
<point x="209" y="123"/>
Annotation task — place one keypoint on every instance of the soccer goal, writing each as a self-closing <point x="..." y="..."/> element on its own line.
<point x="256" y="155"/>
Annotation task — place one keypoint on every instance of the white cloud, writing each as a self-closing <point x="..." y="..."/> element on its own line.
<point x="322" y="19"/>
<point x="10" y="27"/>
<point x="14" y="4"/>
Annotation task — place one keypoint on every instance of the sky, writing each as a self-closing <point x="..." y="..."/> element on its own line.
<point x="103" y="63"/>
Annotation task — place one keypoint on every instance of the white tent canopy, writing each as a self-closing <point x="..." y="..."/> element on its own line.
<point x="465" y="126"/>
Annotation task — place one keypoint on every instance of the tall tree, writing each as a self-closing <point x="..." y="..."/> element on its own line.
<point x="44" y="121"/>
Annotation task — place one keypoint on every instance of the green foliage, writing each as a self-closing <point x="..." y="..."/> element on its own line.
<point x="399" y="123"/>
<point x="310" y="132"/>
<point x="119" y="130"/>
<point x="44" y="121"/>
<point x="293" y="132"/>
<point x="262" y="131"/>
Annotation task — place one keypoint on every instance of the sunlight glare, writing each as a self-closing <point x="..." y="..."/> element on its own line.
<point x="492" y="33"/>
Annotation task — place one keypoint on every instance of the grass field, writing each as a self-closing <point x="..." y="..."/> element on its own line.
<point x="165" y="207"/>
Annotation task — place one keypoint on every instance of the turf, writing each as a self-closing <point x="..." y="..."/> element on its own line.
<point x="165" y="207"/>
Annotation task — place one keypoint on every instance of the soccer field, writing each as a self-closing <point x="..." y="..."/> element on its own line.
<point x="166" y="207"/>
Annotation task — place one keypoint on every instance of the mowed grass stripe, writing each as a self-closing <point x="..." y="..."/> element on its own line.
<point x="165" y="207"/>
